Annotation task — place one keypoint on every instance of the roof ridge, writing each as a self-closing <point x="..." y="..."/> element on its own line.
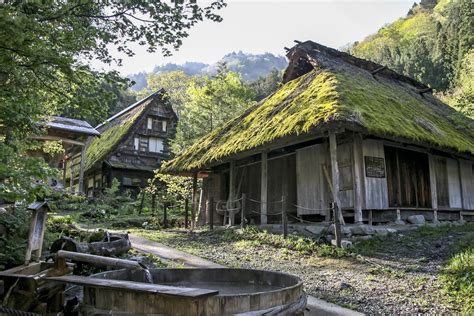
<point x="312" y="49"/>
<point x="131" y="107"/>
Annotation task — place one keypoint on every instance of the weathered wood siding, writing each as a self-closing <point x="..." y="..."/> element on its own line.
<point x="454" y="183"/>
<point x="376" y="192"/>
<point x="313" y="189"/>
<point x="250" y="179"/>
<point x="346" y="178"/>
<point x="281" y="182"/>
<point x="467" y="181"/>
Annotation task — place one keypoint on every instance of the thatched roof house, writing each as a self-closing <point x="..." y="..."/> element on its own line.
<point x="398" y="147"/>
<point x="132" y="144"/>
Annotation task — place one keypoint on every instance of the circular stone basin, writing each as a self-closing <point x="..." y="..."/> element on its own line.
<point x="193" y="292"/>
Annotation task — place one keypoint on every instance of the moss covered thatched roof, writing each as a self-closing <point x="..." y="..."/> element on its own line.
<point x="113" y="131"/>
<point x="324" y="86"/>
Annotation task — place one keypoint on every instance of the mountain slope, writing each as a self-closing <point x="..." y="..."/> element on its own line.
<point x="432" y="44"/>
<point x="250" y="66"/>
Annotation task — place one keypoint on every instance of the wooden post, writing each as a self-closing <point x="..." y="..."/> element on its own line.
<point x="370" y="218"/>
<point x="71" y="179"/>
<point x="64" y="171"/>
<point x="337" y="224"/>
<point x="232" y="193"/>
<point x="284" y="218"/>
<point x="142" y="202"/>
<point x="357" y="165"/>
<point x="433" y="188"/>
<point x="195" y="202"/>
<point x="165" y="215"/>
<point x="211" y="213"/>
<point x="338" y="219"/>
<point x="81" y="169"/>
<point x="264" y="189"/>
<point x="242" y="212"/>
<point x="186" y="213"/>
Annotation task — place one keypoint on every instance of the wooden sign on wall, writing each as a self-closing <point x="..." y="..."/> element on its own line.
<point x="374" y="167"/>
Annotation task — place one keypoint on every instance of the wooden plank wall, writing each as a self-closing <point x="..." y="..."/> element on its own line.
<point x="313" y="189"/>
<point x="346" y="179"/>
<point x="376" y="192"/>
<point x="251" y="180"/>
<point x="454" y="184"/>
<point x="281" y="181"/>
<point x="467" y="180"/>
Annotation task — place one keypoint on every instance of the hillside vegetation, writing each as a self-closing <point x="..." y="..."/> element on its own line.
<point x="432" y="44"/>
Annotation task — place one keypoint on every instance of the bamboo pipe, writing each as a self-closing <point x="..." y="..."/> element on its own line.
<point x="99" y="260"/>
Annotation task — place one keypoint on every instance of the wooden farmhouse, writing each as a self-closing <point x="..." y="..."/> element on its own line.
<point x="340" y="129"/>
<point x="133" y="143"/>
<point x="74" y="135"/>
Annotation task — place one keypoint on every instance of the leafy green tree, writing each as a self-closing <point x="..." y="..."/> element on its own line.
<point x="45" y="50"/>
<point x="264" y="86"/>
<point x="210" y="105"/>
<point x="175" y="84"/>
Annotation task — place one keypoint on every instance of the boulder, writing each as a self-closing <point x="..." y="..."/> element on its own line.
<point x="399" y="222"/>
<point x="362" y="230"/>
<point x="315" y="229"/>
<point x="345" y="230"/>
<point x="416" y="219"/>
<point x="344" y="243"/>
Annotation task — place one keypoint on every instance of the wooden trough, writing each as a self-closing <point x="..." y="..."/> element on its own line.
<point x="190" y="292"/>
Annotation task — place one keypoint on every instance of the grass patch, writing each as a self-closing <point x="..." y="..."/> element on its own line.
<point x="458" y="274"/>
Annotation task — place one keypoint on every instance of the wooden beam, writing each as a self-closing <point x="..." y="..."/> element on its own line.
<point x="232" y="191"/>
<point x="264" y="189"/>
<point x="81" y="170"/>
<point x="433" y="189"/>
<point x="461" y="184"/>
<point x="195" y="201"/>
<point x="56" y="138"/>
<point x="358" y="184"/>
<point x="335" y="175"/>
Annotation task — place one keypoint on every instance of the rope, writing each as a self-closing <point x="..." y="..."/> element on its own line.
<point x="312" y="209"/>
<point x="16" y="312"/>
<point x="260" y="202"/>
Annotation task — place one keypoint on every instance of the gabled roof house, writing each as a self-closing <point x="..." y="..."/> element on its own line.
<point x="133" y="143"/>
<point x="345" y="130"/>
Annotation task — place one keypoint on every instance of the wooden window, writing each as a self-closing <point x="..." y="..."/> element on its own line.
<point x="155" y="145"/>
<point x="136" y="143"/>
<point x="163" y="126"/>
<point x="408" y="178"/>
<point x="149" y="123"/>
<point x="127" y="181"/>
<point x="90" y="183"/>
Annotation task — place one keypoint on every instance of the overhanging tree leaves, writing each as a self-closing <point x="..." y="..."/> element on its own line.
<point x="45" y="48"/>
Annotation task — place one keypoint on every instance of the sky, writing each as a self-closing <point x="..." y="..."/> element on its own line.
<point x="269" y="25"/>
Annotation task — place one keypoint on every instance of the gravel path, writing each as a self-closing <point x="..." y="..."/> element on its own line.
<point x="399" y="277"/>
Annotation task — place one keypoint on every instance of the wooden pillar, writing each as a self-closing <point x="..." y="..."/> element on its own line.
<point x="195" y="201"/>
<point x="211" y="213"/>
<point x="284" y="218"/>
<point x="433" y="189"/>
<point x="264" y="189"/>
<point x="71" y="179"/>
<point x="186" y="213"/>
<point x="64" y="171"/>
<point x="81" y="170"/>
<point x="357" y="165"/>
<point x="335" y="175"/>
<point x="242" y="212"/>
<point x="232" y="193"/>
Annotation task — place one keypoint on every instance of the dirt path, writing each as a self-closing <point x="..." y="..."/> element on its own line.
<point x="167" y="254"/>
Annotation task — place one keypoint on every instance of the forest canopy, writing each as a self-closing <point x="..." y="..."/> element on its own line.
<point x="45" y="50"/>
<point x="432" y="44"/>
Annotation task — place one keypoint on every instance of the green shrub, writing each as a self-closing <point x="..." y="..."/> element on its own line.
<point x="13" y="244"/>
